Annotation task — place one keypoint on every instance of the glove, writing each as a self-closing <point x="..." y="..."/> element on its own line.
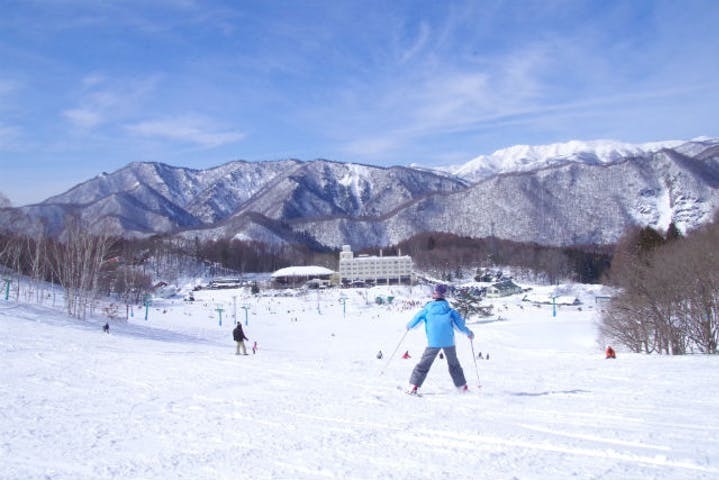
<point x="471" y="336"/>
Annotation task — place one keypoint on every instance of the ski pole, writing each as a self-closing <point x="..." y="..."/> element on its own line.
<point x="395" y="351"/>
<point x="474" y="357"/>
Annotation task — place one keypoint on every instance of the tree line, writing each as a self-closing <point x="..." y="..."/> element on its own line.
<point x="668" y="291"/>
<point x="453" y="257"/>
<point x="91" y="266"/>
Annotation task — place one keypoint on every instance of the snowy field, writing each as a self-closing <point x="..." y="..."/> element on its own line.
<point x="167" y="398"/>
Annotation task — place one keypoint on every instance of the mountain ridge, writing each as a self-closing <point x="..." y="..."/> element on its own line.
<point x="532" y="157"/>
<point x="590" y="193"/>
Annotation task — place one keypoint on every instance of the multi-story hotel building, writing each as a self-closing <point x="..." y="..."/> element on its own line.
<point x="366" y="268"/>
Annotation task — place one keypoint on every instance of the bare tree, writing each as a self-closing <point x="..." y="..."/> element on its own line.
<point x="77" y="262"/>
<point x="698" y="264"/>
<point x="622" y="322"/>
<point x="37" y="264"/>
<point x="13" y="260"/>
<point x="669" y="294"/>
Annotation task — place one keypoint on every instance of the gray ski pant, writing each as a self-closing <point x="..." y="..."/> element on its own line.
<point x="430" y="353"/>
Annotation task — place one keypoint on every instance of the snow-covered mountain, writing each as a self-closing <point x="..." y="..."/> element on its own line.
<point x="590" y="199"/>
<point x="154" y="198"/>
<point x="571" y="203"/>
<point x="562" y="194"/>
<point x="522" y="158"/>
<point x="198" y="196"/>
<point x="4" y="201"/>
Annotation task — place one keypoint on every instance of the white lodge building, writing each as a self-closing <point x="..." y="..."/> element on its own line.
<point x="365" y="268"/>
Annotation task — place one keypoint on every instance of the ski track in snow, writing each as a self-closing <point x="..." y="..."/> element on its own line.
<point x="168" y="398"/>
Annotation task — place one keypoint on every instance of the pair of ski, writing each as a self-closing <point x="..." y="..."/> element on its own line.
<point x="415" y="393"/>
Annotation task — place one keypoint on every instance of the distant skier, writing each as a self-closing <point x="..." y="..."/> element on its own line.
<point x="240" y="338"/>
<point x="254" y="348"/>
<point x="406" y="355"/>
<point x="440" y="321"/>
<point x="379" y="355"/>
<point x="106" y="328"/>
<point x="610" y="353"/>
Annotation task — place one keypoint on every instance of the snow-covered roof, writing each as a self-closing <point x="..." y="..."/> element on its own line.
<point x="307" y="271"/>
<point x="505" y="285"/>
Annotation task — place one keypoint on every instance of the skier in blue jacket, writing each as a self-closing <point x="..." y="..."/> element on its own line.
<point x="440" y="320"/>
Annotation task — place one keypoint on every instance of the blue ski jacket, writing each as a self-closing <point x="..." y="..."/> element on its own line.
<point x="440" y="320"/>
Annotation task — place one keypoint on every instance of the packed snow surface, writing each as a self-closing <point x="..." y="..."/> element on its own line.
<point x="167" y="398"/>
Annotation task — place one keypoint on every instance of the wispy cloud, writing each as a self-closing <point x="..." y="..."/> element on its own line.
<point x="102" y="100"/>
<point x="9" y="137"/>
<point x="373" y="145"/>
<point x="11" y="129"/>
<point x="457" y="88"/>
<point x="7" y="86"/>
<point x="189" y="129"/>
<point x="84" y="118"/>
<point x="93" y="79"/>
<point x="435" y="99"/>
<point x="402" y="83"/>
<point x="418" y="44"/>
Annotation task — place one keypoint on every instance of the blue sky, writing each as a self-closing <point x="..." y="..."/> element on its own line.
<point x="90" y="86"/>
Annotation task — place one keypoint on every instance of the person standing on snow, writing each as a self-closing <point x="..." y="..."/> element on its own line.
<point x="240" y="338"/>
<point x="440" y="320"/>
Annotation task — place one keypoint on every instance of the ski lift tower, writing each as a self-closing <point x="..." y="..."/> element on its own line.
<point x="147" y="302"/>
<point x="219" y="311"/>
<point x="343" y="301"/>
<point x="245" y="308"/>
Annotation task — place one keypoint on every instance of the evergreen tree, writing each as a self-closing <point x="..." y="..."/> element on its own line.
<point x="648" y="240"/>
<point x="468" y="303"/>
<point x="673" y="233"/>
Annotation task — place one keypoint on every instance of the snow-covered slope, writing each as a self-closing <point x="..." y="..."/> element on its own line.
<point x="168" y="398"/>
<point x="205" y="196"/>
<point x="4" y="201"/>
<point x="522" y="158"/>
<point x="332" y="189"/>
